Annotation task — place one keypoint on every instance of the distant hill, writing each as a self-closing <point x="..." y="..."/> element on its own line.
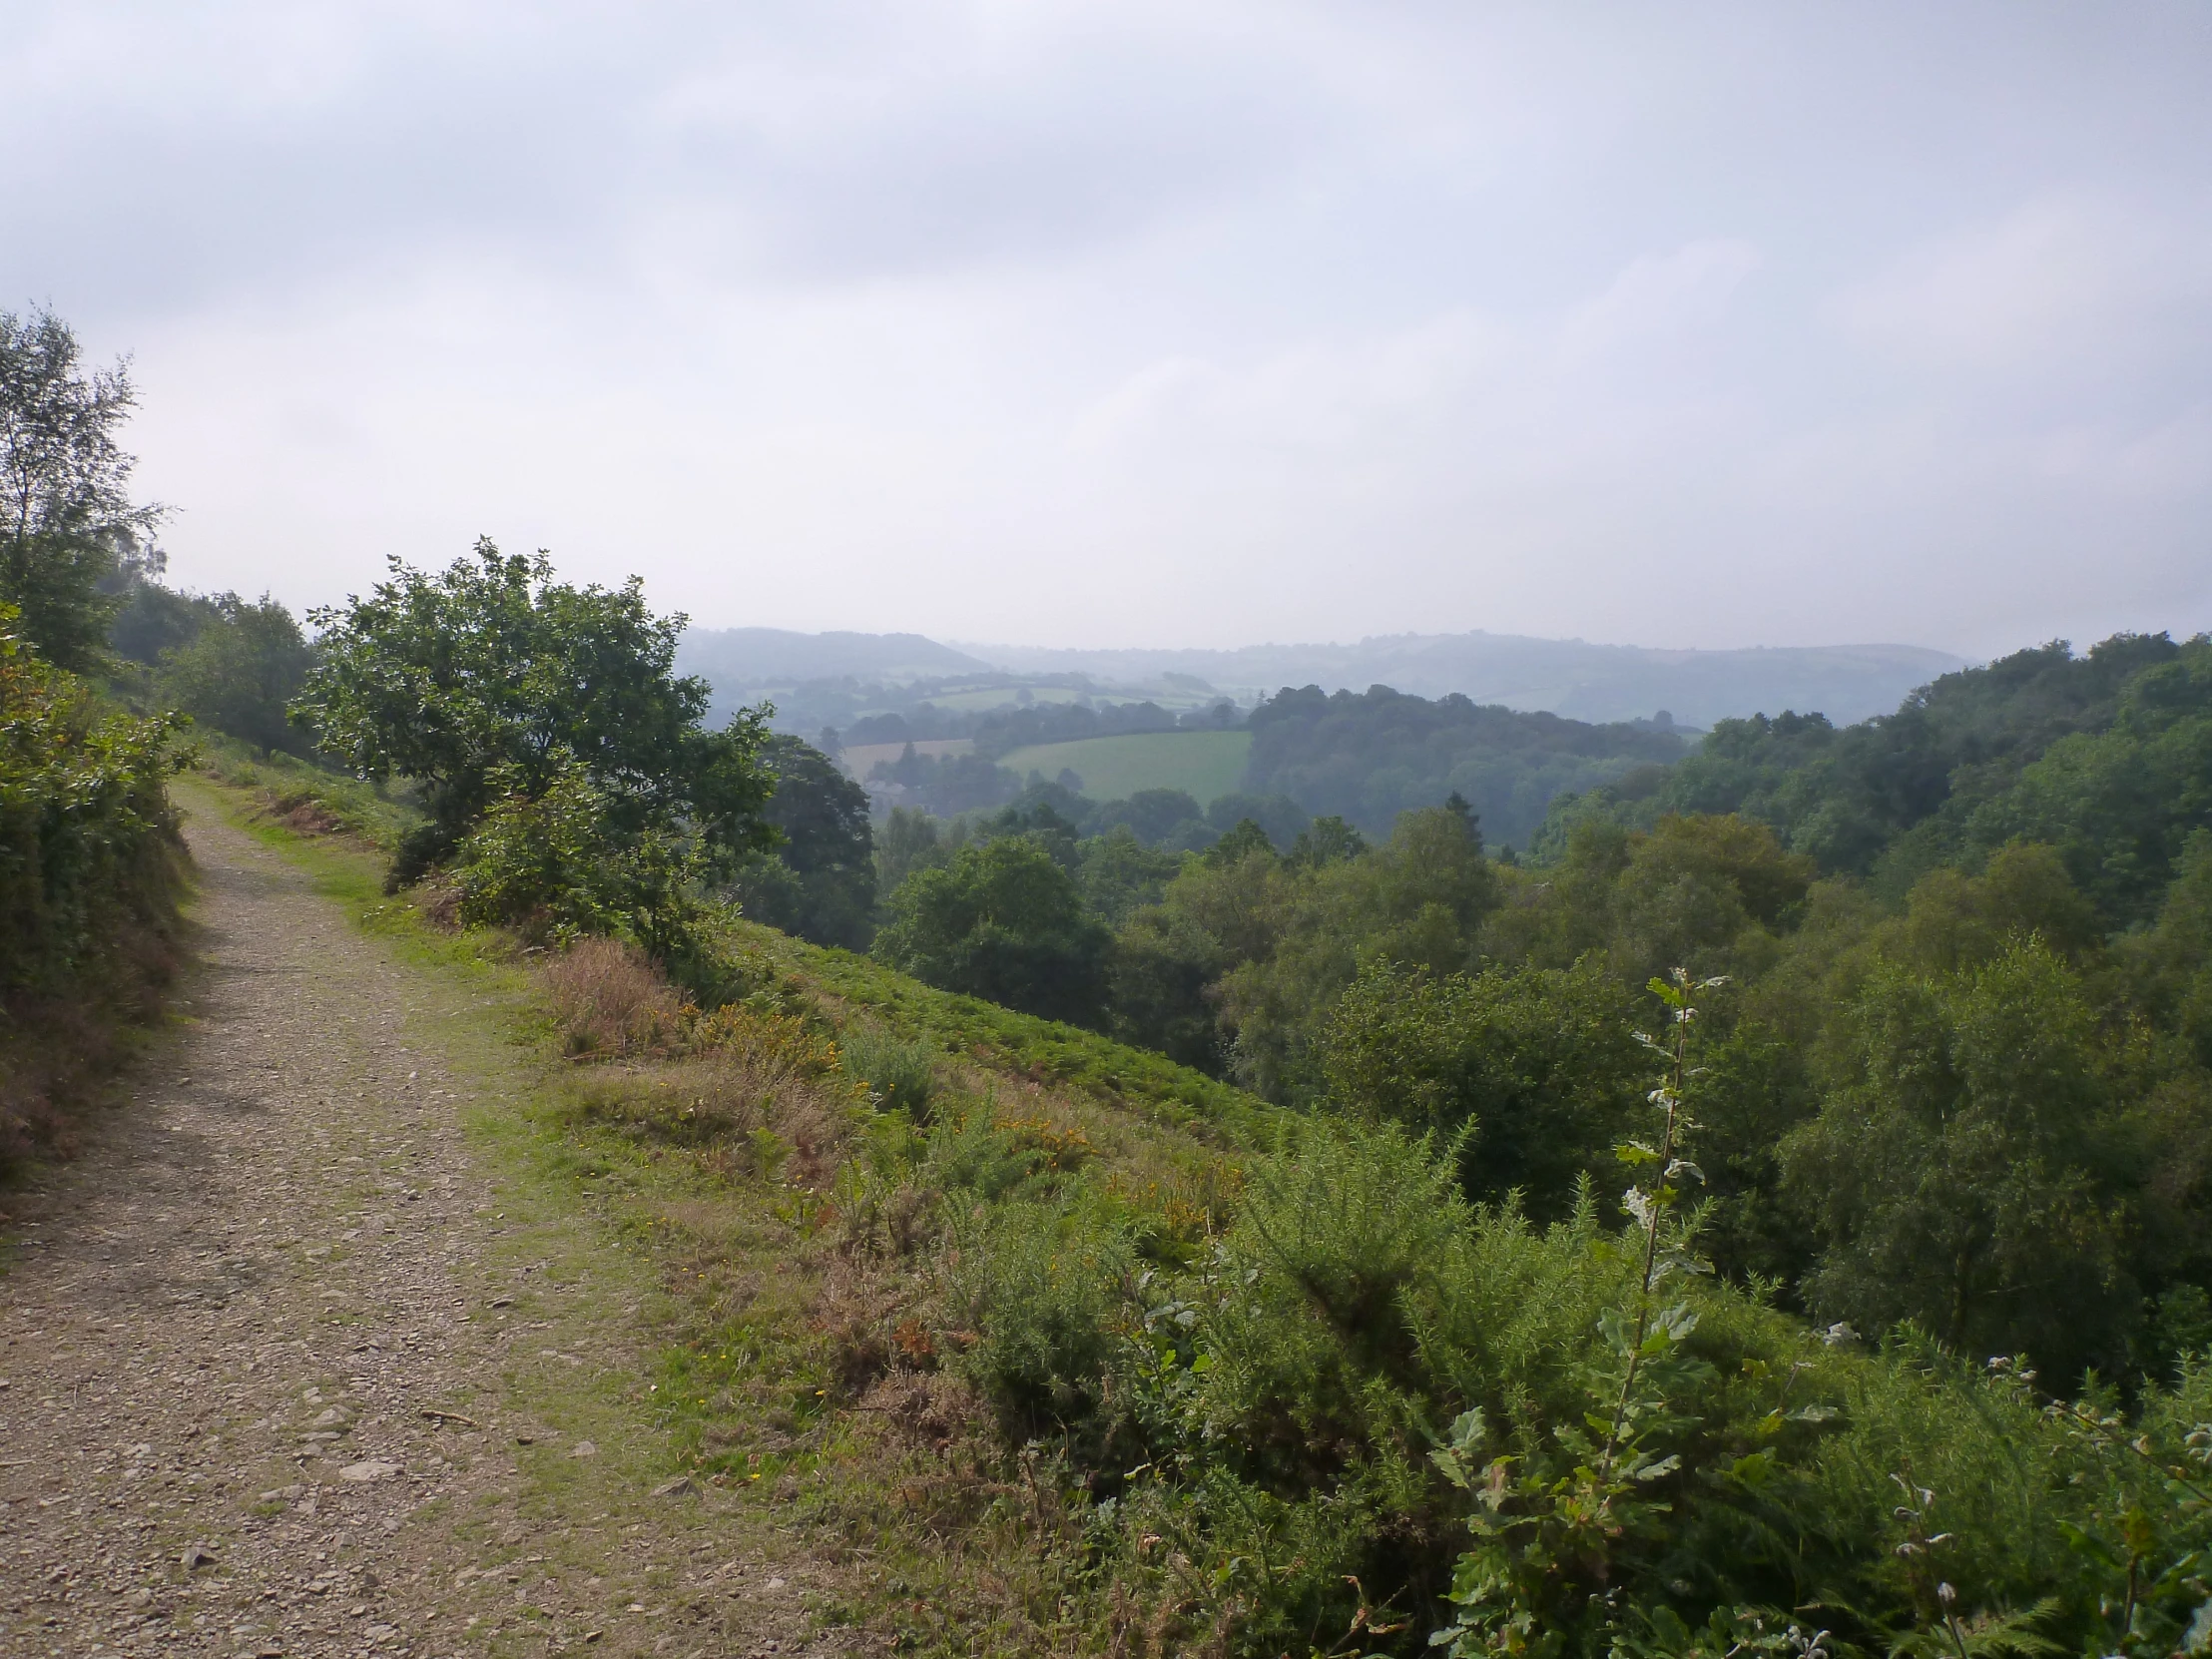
<point x="746" y="659"/>
<point x="1597" y="682"/>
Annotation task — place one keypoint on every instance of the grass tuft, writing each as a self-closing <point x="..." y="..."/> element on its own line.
<point x="609" y="1003"/>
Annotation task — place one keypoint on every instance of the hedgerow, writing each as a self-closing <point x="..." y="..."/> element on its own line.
<point x="90" y="870"/>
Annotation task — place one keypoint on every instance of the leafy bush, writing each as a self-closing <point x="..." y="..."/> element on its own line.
<point x="557" y="865"/>
<point x="88" y="873"/>
<point x="490" y="680"/>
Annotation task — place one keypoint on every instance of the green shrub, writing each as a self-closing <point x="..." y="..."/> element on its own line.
<point x="557" y="865"/>
<point x="90" y="866"/>
<point x="899" y="1073"/>
<point x="1039" y="1284"/>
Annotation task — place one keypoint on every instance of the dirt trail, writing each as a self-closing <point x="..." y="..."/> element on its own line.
<point x="226" y="1329"/>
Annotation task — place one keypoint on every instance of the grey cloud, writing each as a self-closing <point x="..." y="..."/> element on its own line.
<point x="1830" y="311"/>
<point x="551" y="145"/>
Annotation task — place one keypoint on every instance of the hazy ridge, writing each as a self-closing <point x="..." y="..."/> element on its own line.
<point x="1566" y="677"/>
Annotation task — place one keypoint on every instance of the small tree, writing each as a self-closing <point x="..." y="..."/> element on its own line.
<point x="493" y="670"/>
<point x="67" y="522"/>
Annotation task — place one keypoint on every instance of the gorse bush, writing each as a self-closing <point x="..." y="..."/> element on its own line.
<point x="899" y="1073"/>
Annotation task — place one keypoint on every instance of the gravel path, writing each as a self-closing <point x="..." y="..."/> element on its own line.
<point x="279" y="1375"/>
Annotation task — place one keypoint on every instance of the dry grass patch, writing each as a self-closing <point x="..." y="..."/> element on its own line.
<point x="610" y="1004"/>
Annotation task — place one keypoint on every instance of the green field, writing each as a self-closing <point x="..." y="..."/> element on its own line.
<point x="1207" y="764"/>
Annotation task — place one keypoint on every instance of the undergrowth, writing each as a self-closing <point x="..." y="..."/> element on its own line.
<point x="1303" y="1396"/>
<point x="91" y="871"/>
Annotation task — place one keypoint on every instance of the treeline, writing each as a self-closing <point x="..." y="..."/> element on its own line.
<point x="232" y="664"/>
<point x="1366" y="757"/>
<point x="1003" y="730"/>
<point x="2095" y="756"/>
<point x="999" y="731"/>
<point x="858" y="710"/>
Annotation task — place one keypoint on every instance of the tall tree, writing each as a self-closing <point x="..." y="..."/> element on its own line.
<point x="67" y="522"/>
<point x="1972" y="1174"/>
<point x="821" y="882"/>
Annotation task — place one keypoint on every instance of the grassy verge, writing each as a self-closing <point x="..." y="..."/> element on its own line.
<point x="1046" y="1053"/>
<point x="311" y="799"/>
<point x="799" y="1188"/>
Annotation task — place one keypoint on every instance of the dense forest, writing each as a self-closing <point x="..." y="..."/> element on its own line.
<point x="1769" y="1213"/>
<point x="1367" y="758"/>
<point x="2013" y="867"/>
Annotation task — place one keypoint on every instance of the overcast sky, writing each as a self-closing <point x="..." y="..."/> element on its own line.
<point x="1160" y="323"/>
